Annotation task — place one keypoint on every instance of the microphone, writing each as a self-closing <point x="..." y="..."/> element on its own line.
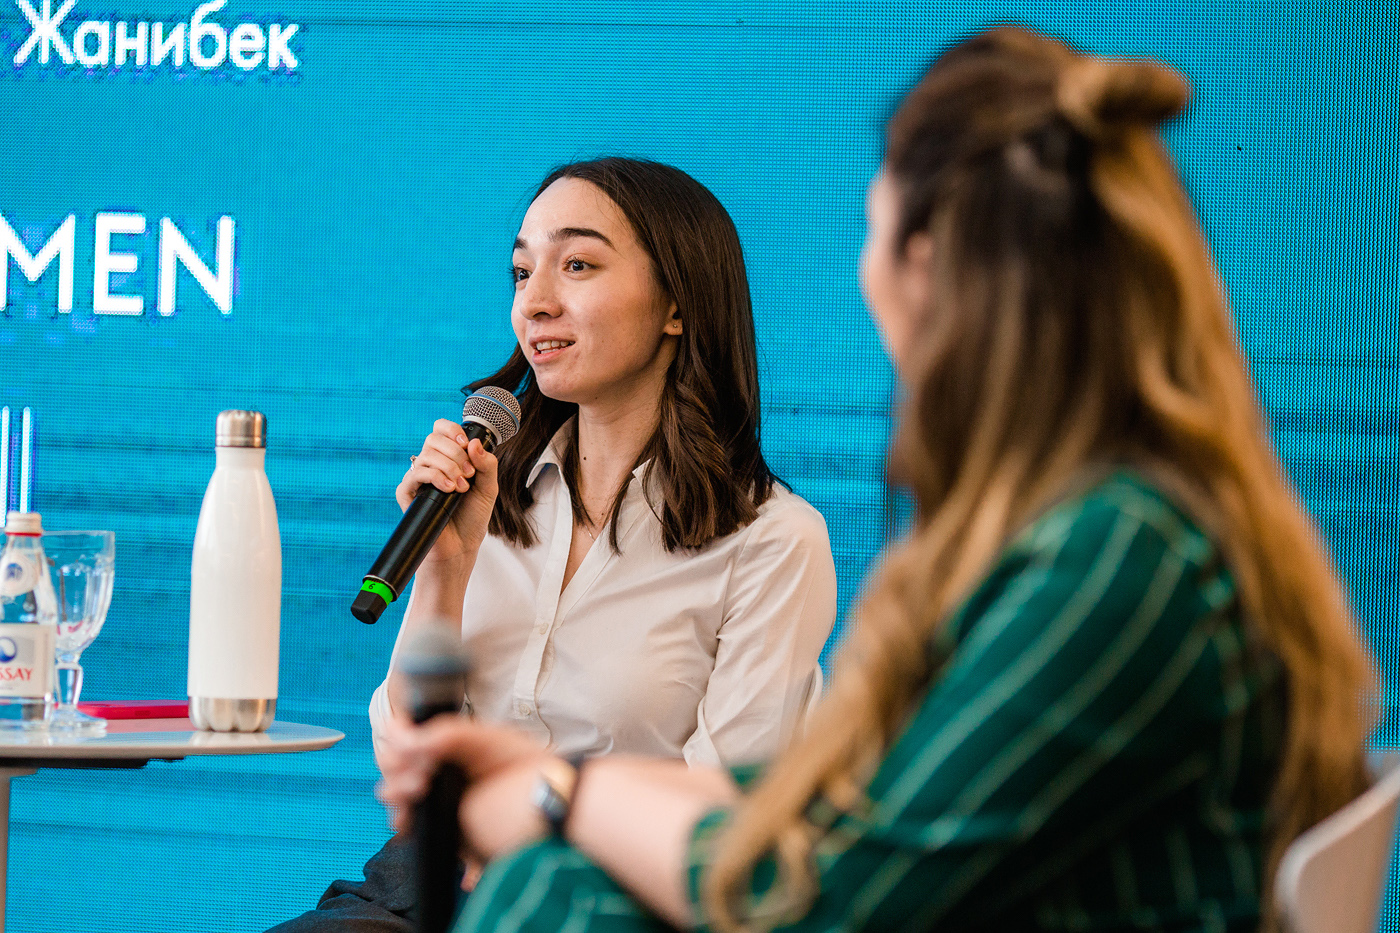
<point x="492" y="416"/>
<point x="434" y="666"/>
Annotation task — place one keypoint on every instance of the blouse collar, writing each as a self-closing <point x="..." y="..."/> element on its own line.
<point x="553" y="455"/>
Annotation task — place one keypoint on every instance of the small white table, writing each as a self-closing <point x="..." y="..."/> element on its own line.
<point x="131" y="743"/>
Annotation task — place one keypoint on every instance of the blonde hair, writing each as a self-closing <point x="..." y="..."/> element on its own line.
<point x="1076" y="319"/>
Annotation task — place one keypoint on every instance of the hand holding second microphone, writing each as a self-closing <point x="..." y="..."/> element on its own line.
<point x="502" y="767"/>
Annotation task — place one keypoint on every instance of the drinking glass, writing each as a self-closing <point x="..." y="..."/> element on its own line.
<point x="81" y="566"/>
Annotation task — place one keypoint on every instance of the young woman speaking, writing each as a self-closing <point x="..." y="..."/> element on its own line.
<point x="629" y="577"/>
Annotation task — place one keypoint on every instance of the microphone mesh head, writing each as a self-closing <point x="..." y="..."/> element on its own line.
<point x="496" y="408"/>
<point x="435" y="667"/>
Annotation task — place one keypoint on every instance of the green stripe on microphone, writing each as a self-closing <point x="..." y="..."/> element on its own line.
<point x="374" y="597"/>
<point x="379" y="588"/>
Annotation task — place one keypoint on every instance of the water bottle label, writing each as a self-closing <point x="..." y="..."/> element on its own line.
<point x="26" y="660"/>
<point x="19" y="573"/>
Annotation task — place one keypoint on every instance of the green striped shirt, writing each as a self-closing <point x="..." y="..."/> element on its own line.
<point x="1095" y="755"/>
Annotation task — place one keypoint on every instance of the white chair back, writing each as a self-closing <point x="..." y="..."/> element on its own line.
<point x="1332" y="877"/>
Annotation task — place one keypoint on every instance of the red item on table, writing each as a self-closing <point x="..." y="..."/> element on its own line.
<point x="136" y="709"/>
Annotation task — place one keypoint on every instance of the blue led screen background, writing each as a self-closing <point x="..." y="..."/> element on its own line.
<point x="374" y="162"/>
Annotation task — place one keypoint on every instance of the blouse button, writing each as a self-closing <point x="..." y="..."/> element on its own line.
<point x="523" y="709"/>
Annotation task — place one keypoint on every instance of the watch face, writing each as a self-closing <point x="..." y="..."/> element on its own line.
<point x="554" y="792"/>
<point x="552" y="806"/>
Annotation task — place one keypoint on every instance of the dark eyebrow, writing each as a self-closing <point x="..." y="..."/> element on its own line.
<point x="568" y="233"/>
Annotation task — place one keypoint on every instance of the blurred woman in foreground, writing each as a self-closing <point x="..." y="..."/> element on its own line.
<point x="1108" y="676"/>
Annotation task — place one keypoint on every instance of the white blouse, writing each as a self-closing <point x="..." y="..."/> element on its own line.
<point x="707" y="655"/>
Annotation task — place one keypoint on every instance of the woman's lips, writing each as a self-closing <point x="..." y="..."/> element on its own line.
<point x="544" y="350"/>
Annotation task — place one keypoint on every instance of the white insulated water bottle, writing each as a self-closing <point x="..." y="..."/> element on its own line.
<point x="236" y="585"/>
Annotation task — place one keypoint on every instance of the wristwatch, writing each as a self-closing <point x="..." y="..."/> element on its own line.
<point x="554" y="792"/>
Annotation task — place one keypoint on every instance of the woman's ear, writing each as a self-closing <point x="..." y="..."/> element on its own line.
<point x="916" y="270"/>
<point x="673" y="326"/>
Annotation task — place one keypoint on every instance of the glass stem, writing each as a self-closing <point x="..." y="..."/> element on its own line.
<point x="70" y="682"/>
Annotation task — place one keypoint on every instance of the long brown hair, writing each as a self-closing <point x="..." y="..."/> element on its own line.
<point x="1076" y="319"/>
<point x="705" y="459"/>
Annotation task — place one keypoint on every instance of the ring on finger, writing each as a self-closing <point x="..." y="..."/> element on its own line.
<point x="412" y="459"/>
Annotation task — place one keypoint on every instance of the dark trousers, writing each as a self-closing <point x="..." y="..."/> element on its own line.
<point x="385" y="902"/>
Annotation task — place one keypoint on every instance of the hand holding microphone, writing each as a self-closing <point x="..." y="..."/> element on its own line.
<point x="451" y="463"/>
<point x="453" y="480"/>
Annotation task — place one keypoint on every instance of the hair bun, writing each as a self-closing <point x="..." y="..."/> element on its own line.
<point x="1101" y="97"/>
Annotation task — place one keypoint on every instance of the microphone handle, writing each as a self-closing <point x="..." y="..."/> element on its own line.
<point x="426" y="516"/>
<point x="437" y="837"/>
<point x="418" y="530"/>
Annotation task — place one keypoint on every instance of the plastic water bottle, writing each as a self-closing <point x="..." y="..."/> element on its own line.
<point x="28" y="627"/>
<point x="236" y="585"/>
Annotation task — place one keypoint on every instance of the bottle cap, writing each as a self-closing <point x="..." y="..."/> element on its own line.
<point x="236" y="428"/>
<point x="23" y="523"/>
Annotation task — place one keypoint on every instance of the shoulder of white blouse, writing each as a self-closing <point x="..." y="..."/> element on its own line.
<point x="788" y="536"/>
<point x="788" y="518"/>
